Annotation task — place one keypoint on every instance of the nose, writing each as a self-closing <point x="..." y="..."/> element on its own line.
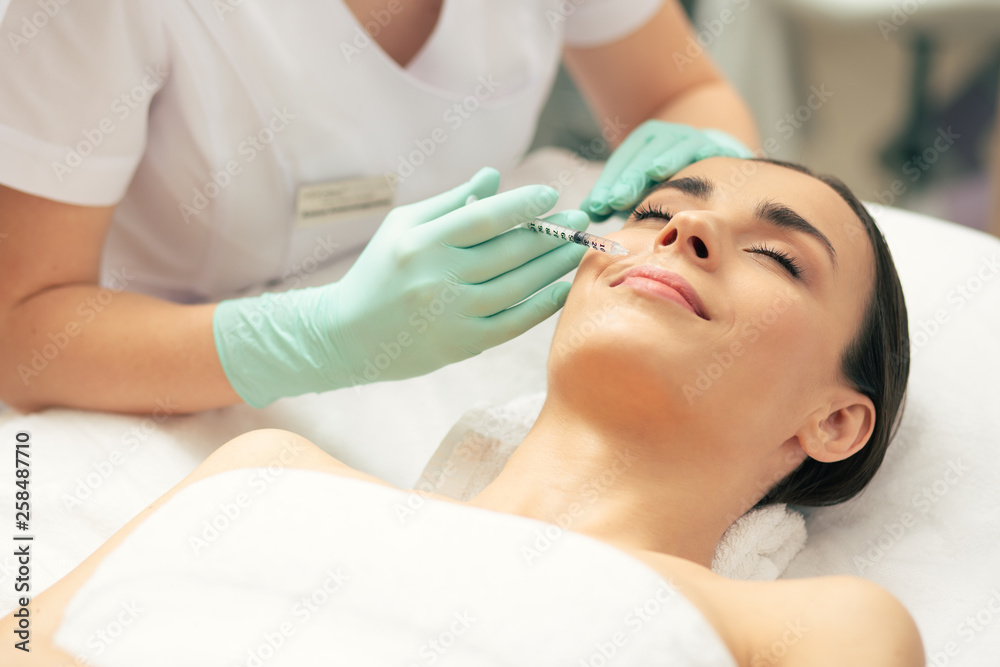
<point x="695" y="234"/>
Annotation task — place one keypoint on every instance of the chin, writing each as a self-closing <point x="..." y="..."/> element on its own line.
<point x="615" y="366"/>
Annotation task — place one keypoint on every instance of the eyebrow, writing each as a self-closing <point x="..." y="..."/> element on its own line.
<point x="771" y="212"/>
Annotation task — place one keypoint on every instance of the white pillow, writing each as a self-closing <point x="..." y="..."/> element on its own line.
<point x="927" y="528"/>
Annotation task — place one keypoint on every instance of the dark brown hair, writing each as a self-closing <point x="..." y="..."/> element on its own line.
<point x="876" y="363"/>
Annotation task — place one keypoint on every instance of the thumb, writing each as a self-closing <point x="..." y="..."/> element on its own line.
<point x="483" y="184"/>
<point x="572" y="218"/>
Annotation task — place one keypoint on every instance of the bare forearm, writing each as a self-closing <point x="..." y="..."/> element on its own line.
<point x="638" y="78"/>
<point x="87" y="347"/>
<point x="712" y="105"/>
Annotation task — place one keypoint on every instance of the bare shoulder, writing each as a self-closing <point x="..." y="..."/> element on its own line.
<point x="838" y="620"/>
<point x="815" y="622"/>
<point x="274" y="449"/>
<point x="271" y="449"/>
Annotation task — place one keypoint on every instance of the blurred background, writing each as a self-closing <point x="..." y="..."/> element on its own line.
<point x="896" y="97"/>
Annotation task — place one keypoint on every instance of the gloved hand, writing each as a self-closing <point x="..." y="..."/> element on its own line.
<point x="437" y="283"/>
<point x="654" y="151"/>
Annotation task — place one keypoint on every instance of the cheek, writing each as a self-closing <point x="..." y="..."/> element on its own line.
<point x="597" y="265"/>
<point x="637" y="239"/>
<point x="776" y="346"/>
<point x="584" y="296"/>
<point x="594" y="266"/>
<point x="779" y="316"/>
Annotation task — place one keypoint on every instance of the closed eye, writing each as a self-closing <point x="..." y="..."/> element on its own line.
<point x="652" y="211"/>
<point x="783" y="258"/>
<point x="647" y="210"/>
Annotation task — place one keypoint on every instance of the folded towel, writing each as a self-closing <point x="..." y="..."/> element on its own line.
<point x="758" y="546"/>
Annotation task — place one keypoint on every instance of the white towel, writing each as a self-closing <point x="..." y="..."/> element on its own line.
<point x="758" y="546"/>
<point x="228" y="573"/>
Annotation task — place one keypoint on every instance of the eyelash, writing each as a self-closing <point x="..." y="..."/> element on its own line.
<point x="782" y="257"/>
<point x="647" y="210"/>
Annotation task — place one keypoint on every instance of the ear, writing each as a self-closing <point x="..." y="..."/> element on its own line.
<point x="840" y="429"/>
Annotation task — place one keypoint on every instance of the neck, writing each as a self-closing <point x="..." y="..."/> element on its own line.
<point x="619" y="480"/>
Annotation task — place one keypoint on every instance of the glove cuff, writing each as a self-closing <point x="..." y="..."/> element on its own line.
<point x="278" y="344"/>
<point x="729" y="142"/>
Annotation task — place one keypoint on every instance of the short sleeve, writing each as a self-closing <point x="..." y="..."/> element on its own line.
<point x="76" y="83"/>
<point x="597" y="22"/>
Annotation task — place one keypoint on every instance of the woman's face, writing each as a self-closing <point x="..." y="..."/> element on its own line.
<point x="760" y="349"/>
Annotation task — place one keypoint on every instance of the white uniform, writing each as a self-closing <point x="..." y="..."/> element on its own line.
<point x="202" y="119"/>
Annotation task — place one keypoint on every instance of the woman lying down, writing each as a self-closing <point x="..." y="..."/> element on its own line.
<point x="753" y="350"/>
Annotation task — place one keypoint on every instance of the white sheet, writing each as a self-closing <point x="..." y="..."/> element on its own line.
<point x="356" y="582"/>
<point x="942" y="565"/>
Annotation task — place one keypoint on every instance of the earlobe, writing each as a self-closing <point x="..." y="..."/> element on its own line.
<point x="840" y="432"/>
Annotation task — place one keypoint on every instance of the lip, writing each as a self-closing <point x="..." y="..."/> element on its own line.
<point x="677" y="284"/>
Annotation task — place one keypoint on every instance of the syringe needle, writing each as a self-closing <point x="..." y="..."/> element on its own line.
<point x="583" y="238"/>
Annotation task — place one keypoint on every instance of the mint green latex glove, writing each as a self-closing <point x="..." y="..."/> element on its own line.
<point x="653" y="152"/>
<point x="440" y="281"/>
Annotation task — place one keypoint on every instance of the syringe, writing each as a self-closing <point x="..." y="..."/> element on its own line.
<point x="574" y="236"/>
